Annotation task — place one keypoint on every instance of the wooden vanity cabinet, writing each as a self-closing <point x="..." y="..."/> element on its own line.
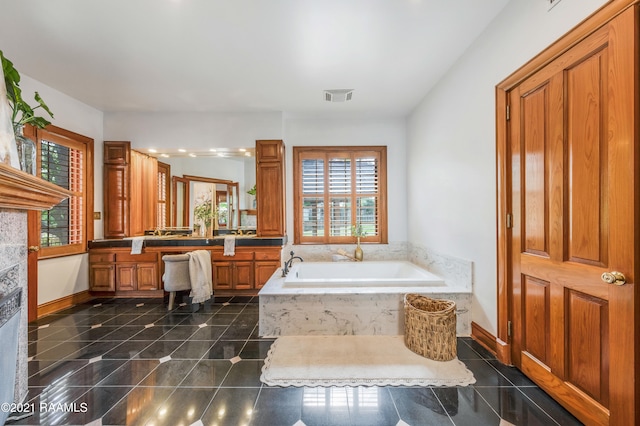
<point x="119" y="272"/>
<point x="266" y="262"/>
<point x="270" y="188"/>
<point x="233" y="272"/>
<point x="130" y="190"/>
<point x="102" y="275"/>
<point x="137" y="272"/>
<point x="249" y="269"/>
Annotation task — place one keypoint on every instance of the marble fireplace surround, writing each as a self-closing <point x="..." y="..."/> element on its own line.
<point x="361" y="311"/>
<point x="19" y="193"/>
<point x="13" y="274"/>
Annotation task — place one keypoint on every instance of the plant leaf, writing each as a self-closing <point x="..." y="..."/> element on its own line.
<point x="43" y="105"/>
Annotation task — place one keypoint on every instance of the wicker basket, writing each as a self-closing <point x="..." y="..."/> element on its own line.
<point x="430" y="327"/>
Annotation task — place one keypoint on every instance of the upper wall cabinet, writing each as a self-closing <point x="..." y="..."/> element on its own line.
<point x="130" y="191"/>
<point x="270" y="188"/>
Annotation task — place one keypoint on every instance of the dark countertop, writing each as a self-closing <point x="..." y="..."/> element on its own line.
<point x="192" y="241"/>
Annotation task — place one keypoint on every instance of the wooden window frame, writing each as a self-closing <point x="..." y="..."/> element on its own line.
<point x="85" y="144"/>
<point x="164" y="204"/>
<point x="301" y="153"/>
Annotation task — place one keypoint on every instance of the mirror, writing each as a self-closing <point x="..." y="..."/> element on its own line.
<point x="205" y="205"/>
<point x="223" y="181"/>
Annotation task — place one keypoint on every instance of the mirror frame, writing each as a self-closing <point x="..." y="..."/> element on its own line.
<point x="187" y="180"/>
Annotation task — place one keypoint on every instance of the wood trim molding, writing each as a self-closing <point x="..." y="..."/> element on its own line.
<point x="22" y="191"/>
<point x="482" y="336"/>
<point x="63" y="303"/>
<point x="578" y="33"/>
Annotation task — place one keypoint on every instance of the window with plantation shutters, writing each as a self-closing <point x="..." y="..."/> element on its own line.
<point x="63" y="159"/>
<point x="336" y="189"/>
<point x="164" y="173"/>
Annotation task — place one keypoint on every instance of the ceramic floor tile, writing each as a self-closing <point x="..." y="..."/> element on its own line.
<point x="207" y="373"/>
<point x="225" y="349"/>
<point x="183" y="373"/>
<point x="169" y="374"/>
<point x="278" y="406"/>
<point x="244" y="374"/>
<point x="184" y="406"/>
<point x="231" y="406"/>
<point x="130" y="373"/>
<point x="137" y="407"/>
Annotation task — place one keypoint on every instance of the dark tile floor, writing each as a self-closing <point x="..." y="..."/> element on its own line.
<point x="130" y="362"/>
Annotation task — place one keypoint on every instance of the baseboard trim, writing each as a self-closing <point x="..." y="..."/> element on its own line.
<point x="63" y="303"/>
<point x="482" y="336"/>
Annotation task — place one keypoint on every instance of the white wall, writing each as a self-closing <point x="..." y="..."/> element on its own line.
<point x="64" y="276"/>
<point x="451" y="142"/>
<point x="198" y="130"/>
<point x="338" y="132"/>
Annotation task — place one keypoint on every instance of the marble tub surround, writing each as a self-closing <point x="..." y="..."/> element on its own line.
<point x="458" y="273"/>
<point x="13" y="274"/>
<point x="325" y="252"/>
<point x="347" y="310"/>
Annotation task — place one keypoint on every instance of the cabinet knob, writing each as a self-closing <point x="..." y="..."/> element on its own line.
<point x="33" y="249"/>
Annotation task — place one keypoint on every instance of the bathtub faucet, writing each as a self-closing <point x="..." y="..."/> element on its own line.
<point x="287" y="264"/>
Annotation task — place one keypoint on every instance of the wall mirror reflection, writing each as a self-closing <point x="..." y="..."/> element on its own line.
<point x="212" y="194"/>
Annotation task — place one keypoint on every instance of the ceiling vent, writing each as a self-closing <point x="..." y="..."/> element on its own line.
<point x="338" y="95"/>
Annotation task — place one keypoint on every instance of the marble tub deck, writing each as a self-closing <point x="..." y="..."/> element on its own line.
<point x="342" y="311"/>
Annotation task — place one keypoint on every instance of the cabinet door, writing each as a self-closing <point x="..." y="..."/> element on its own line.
<point x="243" y="275"/>
<point x="126" y="276"/>
<point x="116" y="200"/>
<point x="147" y="276"/>
<point x="222" y="275"/>
<point x="102" y="277"/>
<point x="270" y="188"/>
<point x="263" y="271"/>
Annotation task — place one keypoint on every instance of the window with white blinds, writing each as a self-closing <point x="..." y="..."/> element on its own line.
<point x="336" y="189"/>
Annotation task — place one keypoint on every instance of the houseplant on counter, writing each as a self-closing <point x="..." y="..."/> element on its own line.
<point x="22" y="113"/>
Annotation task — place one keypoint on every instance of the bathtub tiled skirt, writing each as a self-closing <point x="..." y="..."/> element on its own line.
<point x="109" y="357"/>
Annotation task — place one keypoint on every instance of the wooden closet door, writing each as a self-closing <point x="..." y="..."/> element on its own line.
<point x="573" y="158"/>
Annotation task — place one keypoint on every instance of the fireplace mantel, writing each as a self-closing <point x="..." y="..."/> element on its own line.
<point x="22" y="191"/>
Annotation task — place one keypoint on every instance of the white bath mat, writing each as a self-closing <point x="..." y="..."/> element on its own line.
<point x="356" y="361"/>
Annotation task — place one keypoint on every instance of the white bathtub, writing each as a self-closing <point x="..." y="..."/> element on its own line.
<point x="359" y="274"/>
<point x="363" y="298"/>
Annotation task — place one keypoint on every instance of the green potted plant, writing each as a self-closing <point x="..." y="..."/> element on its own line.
<point x="253" y="192"/>
<point x="22" y="113"/>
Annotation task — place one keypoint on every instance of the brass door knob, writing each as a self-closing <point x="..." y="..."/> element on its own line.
<point x="614" y="277"/>
<point x="33" y="249"/>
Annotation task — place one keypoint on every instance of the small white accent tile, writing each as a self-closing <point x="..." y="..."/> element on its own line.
<point x="203" y="325"/>
<point x="235" y="360"/>
<point x="96" y="326"/>
<point x="139" y="304"/>
<point x="165" y="359"/>
<point x="43" y="326"/>
<point x="149" y="325"/>
<point x="95" y="359"/>
<point x="97" y="305"/>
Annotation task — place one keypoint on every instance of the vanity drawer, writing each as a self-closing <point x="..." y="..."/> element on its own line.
<point x="268" y="255"/>
<point x="102" y="257"/>
<point x="243" y="255"/>
<point x="142" y="257"/>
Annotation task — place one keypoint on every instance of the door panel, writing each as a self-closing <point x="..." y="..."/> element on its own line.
<point x="572" y="198"/>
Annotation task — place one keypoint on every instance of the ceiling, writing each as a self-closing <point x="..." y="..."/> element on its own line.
<point x="241" y="55"/>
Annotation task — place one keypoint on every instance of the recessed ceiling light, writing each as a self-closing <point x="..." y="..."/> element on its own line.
<point x="248" y="154"/>
<point x="182" y="150"/>
<point x="164" y="155"/>
<point x="152" y="150"/>
<point x="192" y="155"/>
<point x="242" y="150"/>
<point x="212" y="150"/>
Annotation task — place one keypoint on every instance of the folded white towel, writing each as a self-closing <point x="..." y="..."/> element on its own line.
<point x="200" y="276"/>
<point x="136" y="245"/>
<point x="229" y="245"/>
